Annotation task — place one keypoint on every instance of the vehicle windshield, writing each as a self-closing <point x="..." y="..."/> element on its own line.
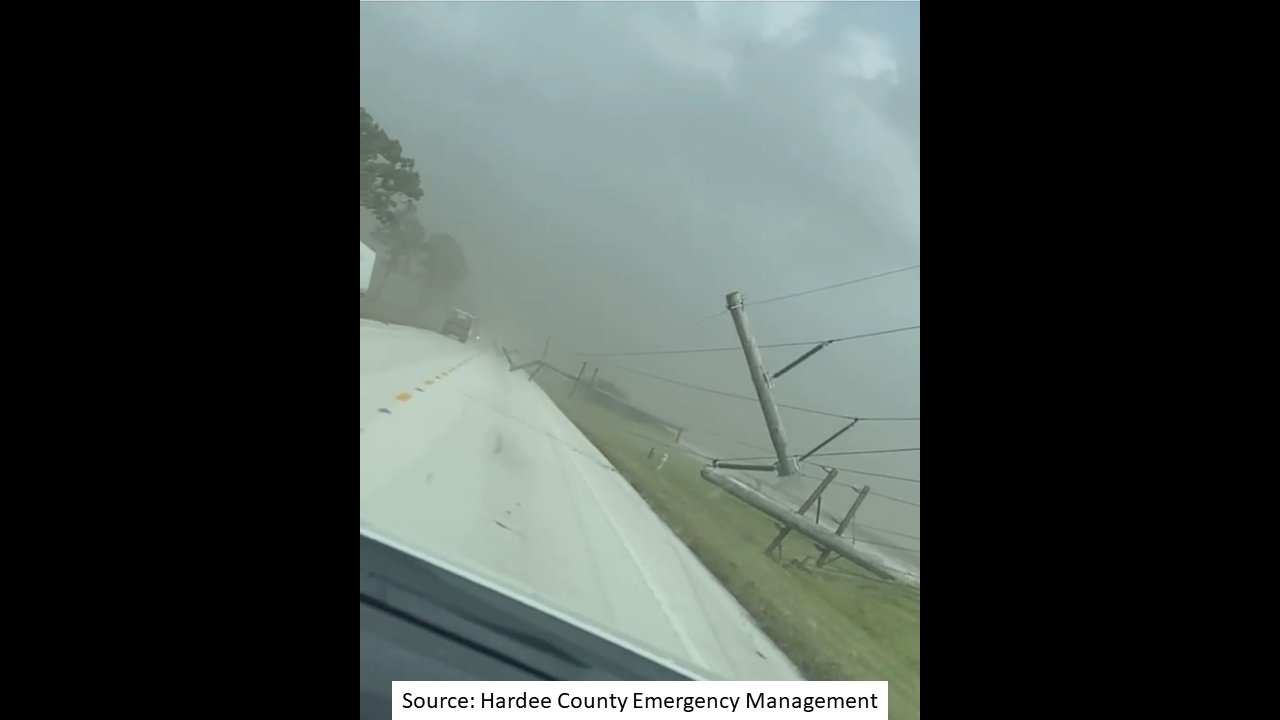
<point x="640" y="319"/>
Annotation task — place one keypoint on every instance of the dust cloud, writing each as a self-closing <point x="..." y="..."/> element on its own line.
<point x="613" y="170"/>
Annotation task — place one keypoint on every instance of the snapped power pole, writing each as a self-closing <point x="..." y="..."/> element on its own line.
<point x="764" y="389"/>
<point x="797" y="522"/>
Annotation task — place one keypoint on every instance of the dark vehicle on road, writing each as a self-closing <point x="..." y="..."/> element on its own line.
<point x="460" y="326"/>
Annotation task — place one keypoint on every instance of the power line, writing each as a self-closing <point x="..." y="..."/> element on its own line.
<point x="855" y="540"/>
<point x="869" y="490"/>
<point x="697" y="454"/>
<point x="866" y="452"/>
<point x="832" y="287"/>
<point x="814" y="290"/>
<point x="753" y="446"/>
<point x="835" y="454"/>
<point x="682" y="384"/>
<point x="691" y="451"/>
<point x="871" y="527"/>
<point x="860" y="541"/>
<point x="681" y="448"/>
<point x="770" y="457"/>
<point x="890" y="532"/>
<point x="868" y="474"/>
<point x="854" y="575"/>
<point x="797" y="408"/>
<point x="688" y="450"/>
<point x="738" y="348"/>
<point x="820" y="465"/>
<point x="846" y="417"/>
<point x="895" y="499"/>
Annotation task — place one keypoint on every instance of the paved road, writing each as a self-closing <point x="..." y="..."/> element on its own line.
<point x="460" y="456"/>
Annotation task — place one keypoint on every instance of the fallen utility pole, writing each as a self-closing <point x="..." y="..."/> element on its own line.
<point x="764" y="391"/>
<point x="803" y="525"/>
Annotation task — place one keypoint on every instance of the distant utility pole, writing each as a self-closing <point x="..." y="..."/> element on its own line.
<point x="578" y="379"/>
<point x="764" y="391"/>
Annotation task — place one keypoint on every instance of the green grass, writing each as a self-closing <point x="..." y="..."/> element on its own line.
<point x="835" y="623"/>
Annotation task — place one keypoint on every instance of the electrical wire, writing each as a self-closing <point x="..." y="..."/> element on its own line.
<point x="733" y="440"/>
<point x="832" y="454"/>
<point x="869" y="474"/>
<point x="681" y="383"/>
<point x="860" y="541"/>
<point x="869" y="490"/>
<point x="695" y="453"/>
<point x="797" y="408"/>
<point x="855" y="541"/>
<point x="764" y="449"/>
<point x="889" y="532"/>
<point x="738" y="348"/>
<point x="824" y="288"/>
<point x="681" y="448"/>
<point x="895" y="499"/>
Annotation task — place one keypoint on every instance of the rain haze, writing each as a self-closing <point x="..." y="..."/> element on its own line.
<point x="612" y="170"/>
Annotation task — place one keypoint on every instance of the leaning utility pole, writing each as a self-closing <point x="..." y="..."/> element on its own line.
<point x="764" y="391"/>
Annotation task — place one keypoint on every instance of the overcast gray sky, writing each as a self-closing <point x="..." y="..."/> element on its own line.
<point x="612" y="170"/>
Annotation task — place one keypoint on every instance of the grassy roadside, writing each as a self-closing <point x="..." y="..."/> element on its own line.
<point x="835" y="623"/>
